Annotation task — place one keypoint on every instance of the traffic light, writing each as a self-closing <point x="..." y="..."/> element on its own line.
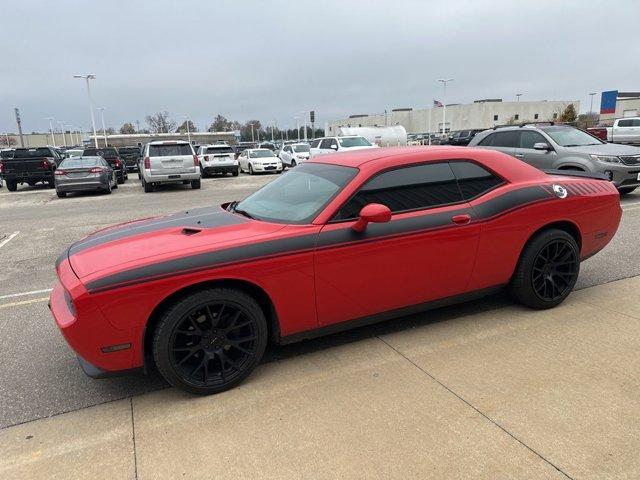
<point x="312" y="116"/>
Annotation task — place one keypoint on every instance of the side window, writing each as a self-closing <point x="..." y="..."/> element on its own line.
<point x="334" y="143"/>
<point x="315" y="143"/>
<point x="528" y="139"/>
<point x="325" y="144"/>
<point x="625" y="123"/>
<point x="407" y="188"/>
<point x="473" y="179"/>
<point x="503" y="139"/>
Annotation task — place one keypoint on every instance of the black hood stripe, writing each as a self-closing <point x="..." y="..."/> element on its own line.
<point x="207" y="217"/>
<point x="344" y="236"/>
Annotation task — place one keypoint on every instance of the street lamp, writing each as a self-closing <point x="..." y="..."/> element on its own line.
<point x="304" y="116"/>
<point x="53" y="138"/>
<point x="518" y="95"/>
<point x="104" y="130"/>
<point x="253" y="140"/>
<point x="64" y="137"/>
<point x="298" y="127"/>
<point x="188" y="131"/>
<point x="591" y="107"/>
<point x="93" y="120"/>
<point x="444" y="103"/>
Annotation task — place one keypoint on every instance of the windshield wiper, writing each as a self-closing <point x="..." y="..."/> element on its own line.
<point x="233" y="207"/>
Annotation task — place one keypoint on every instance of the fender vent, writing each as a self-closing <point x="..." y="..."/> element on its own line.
<point x="190" y="231"/>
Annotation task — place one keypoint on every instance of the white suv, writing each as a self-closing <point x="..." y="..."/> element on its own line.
<point x="217" y="158"/>
<point x="169" y="162"/>
<point x="339" y="144"/>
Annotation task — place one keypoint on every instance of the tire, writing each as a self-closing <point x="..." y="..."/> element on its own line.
<point x="541" y="284"/>
<point x="148" y="187"/>
<point x="204" y="174"/>
<point x="196" y="184"/>
<point x="250" y="169"/>
<point x="293" y="163"/>
<point x="626" y="190"/>
<point x="107" y="190"/>
<point x="51" y="184"/>
<point x="236" y="172"/>
<point x="115" y="183"/>
<point x="120" y="179"/>
<point x="61" y="194"/>
<point x="12" y="185"/>
<point x="199" y="348"/>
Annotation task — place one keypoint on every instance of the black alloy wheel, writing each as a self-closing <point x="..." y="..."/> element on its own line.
<point x="210" y="341"/>
<point x="554" y="270"/>
<point x="547" y="270"/>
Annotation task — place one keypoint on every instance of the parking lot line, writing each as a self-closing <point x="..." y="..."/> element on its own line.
<point x="24" y="294"/>
<point x="24" y="302"/>
<point x="8" y="239"/>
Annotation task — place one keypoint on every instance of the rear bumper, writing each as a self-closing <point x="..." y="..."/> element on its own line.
<point x="80" y="187"/>
<point x="28" y="177"/>
<point x="219" y="169"/>
<point x="170" y="178"/>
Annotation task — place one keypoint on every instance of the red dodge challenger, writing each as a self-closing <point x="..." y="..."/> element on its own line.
<point x="340" y="241"/>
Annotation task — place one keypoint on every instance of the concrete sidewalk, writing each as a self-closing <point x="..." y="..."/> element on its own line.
<point x="508" y="393"/>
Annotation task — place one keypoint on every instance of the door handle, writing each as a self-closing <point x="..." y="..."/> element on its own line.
<point x="519" y="155"/>
<point x="461" y="219"/>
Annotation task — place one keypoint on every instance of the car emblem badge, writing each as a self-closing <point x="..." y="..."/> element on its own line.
<point x="560" y="191"/>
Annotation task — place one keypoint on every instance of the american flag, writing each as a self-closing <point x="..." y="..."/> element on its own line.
<point x="437" y="103"/>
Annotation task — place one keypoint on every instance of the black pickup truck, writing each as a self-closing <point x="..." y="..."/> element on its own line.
<point x="30" y="166"/>
<point x="130" y="156"/>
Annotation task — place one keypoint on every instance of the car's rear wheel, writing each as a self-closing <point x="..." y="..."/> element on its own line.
<point x="12" y="186"/>
<point x="210" y="341"/>
<point x="236" y="172"/>
<point x="250" y="169"/>
<point x="107" y="190"/>
<point x="61" y="194"/>
<point x="547" y="270"/>
<point x="148" y="187"/>
<point x="626" y="190"/>
<point x="114" y="182"/>
<point x="196" y="184"/>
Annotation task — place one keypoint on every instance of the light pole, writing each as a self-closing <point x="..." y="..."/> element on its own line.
<point x="93" y="120"/>
<point x="53" y="137"/>
<point x="104" y="130"/>
<point x="304" y="116"/>
<point x="188" y="131"/>
<point x="64" y="137"/>
<point x="444" y="103"/>
<point x="253" y="138"/>
<point x="298" y="127"/>
<point x="518" y="95"/>
<point x="591" y="106"/>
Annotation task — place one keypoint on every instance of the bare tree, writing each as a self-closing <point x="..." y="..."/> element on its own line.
<point x="160" y="122"/>
<point x="127" y="128"/>
<point x="7" y="141"/>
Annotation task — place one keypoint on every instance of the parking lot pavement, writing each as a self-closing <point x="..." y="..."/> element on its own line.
<point x="40" y="376"/>
<point x="458" y="393"/>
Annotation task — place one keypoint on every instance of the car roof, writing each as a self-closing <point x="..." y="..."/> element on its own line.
<point x="215" y="145"/>
<point x="256" y="149"/>
<point x="169" y="142"/>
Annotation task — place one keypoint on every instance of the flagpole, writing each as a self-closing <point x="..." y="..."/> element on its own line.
<point x="429" y="133"/>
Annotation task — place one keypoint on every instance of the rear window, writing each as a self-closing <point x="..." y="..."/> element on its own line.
<point x="129" y="151"/>
<point x="212" y="151"/>
<point x="79" y="162"/>
<point x="32" y="153"/>
<point x="170" y="150"/>
<point x="106" y="153"/>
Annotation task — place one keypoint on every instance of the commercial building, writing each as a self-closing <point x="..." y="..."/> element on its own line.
<point x="615" y="104"/>
<point x="479" y="114"/>
<point x="197" y="138"/>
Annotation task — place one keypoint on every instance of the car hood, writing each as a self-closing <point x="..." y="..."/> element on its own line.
<point x="163" y="238"/>
<point x="606" y="149"/>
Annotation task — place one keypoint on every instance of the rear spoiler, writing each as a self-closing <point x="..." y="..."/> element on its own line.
<point x="576" y="173"/>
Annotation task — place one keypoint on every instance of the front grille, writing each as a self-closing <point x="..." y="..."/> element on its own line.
<point x="630" y="159"/>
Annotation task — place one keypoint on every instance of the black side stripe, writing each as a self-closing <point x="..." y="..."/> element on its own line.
<point x="292" y="245"/>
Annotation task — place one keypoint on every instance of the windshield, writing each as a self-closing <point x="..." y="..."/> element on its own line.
<point x="570" y="137"/>
<point x="80" y="162"/>
<point x="261" y="154"/>
<point x="301" y="148"/>
<point x="214" y="150"/>
<point x="348" y="142"/>
<point x="299" y="195"/>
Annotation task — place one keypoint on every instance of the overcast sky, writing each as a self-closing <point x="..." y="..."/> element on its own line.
<point x="271" y="60"/>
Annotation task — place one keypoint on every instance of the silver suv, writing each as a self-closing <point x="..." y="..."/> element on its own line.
<point x="169" y="162"/>
<point x="563" y="147"/>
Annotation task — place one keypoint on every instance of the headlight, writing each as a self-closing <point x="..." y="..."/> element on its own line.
<point x="607" y="158"/>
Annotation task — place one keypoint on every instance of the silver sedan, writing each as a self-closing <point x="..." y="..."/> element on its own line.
<point x="79" y="174"/>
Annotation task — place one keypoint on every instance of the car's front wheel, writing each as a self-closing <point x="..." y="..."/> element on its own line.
<point x="547" y="270"/>
<point x="626" y="190"/>
<point x="210" y="341"/>
<point x="250" y="169"/>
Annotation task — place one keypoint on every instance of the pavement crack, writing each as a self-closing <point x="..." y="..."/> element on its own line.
<point x="133" y="436"/>
<point x="480" y="412"/>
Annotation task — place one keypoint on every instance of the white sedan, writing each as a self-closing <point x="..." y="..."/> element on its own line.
<point x="258" y="160"/>
<point x="291" y="155"/>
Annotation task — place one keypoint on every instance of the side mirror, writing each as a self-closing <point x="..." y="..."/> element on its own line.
<point x="334" y="147"/>
<point x="374" y="213"/>
<point x="541" y="146"/>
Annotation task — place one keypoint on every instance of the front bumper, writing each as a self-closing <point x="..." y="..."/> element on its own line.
<point x="213" y="168"/>
<point x="623" y="176"/>
<point x="258" y="167"/>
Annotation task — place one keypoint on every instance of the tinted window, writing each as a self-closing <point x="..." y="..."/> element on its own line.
<point x="406" y="188"/>
<point x="528" y="139"/>
<point x="215" y="150"/>
<point x="473" y="179"/>
<point x="326" y="143"/>
<point x="625" y="123"/>
<point x="315" y="143"/>
<point x="169" y="150"/>
<point x="81" y="162"/>
<point x="32" y="152"/>
<point x="502" y="139"/>
<point x="108" y="153"/>
<point x="349" y="142"/>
